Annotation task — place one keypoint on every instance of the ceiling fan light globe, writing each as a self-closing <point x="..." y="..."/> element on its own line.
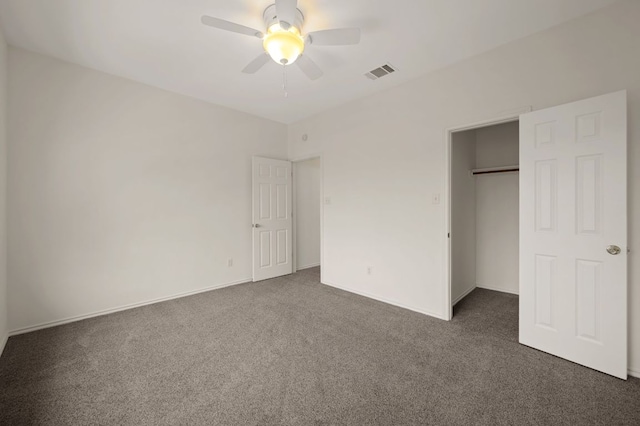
<point x="284" y="46"/>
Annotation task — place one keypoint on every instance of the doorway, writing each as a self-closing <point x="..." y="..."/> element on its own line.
<point x="484" y="196"/>
<point x="307" y="219"/>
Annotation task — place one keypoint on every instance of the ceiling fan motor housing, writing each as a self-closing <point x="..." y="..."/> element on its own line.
<point x="271" y="17"/>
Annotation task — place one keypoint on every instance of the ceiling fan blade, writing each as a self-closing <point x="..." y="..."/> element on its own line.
<point x="337" y="37"/>
<point x="256" y="64"/>
<point x="230" y="26"/>
<point x="286" y="12"/>
<point x="309" y="67"/>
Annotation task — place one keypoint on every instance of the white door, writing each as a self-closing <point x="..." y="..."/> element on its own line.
<point x="573" y="232"/>
<point x="272" y="224"/>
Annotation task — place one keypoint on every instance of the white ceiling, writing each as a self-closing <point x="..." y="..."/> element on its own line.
<point x="163" y="43"/>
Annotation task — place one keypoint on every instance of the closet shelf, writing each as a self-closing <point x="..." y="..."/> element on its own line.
<point x="494" y="170"/>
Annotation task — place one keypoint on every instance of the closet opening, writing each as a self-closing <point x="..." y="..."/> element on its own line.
<point x="484" y="210"/>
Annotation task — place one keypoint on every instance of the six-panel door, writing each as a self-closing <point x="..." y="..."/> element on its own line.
<point x="272" y="222"/>
<point x="573" y="207"/>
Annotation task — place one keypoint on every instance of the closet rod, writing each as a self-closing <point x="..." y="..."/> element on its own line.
<point x="493" y="170"/>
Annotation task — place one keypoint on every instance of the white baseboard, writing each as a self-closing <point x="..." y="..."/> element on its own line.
<point x="634" y="373"/>
<point x="122" y="308"/>
<point x="488" y="287"/>
<point x="463" y="295"/>
<point x="384" y="300"/>
<point x="313" y="265"/>
<point x="3" y="343"/>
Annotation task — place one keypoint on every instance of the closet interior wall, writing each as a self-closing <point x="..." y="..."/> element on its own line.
<point x="463" y="214"/>
<point x="497" y="209"/>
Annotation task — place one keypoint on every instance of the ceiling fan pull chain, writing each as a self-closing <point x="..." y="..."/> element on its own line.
<point x="284" y="81"/>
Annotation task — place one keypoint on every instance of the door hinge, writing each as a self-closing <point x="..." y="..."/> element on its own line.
<point x="448" y="234"/>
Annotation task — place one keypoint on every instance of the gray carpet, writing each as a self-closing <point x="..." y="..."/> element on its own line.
<point x="293" y="351"/>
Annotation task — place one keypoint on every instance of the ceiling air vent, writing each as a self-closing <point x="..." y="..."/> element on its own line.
<point x="380" y="72"/>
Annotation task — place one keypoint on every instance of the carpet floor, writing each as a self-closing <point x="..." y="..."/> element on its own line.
<point x="293" y="351"/>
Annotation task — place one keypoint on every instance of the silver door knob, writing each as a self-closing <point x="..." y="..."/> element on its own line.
<point x="613" y="250"/>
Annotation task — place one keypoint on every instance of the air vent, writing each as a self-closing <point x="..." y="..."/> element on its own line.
<point x="380" y="72"/>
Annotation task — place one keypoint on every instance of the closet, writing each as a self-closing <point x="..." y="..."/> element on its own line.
<point x="484" y="210"/>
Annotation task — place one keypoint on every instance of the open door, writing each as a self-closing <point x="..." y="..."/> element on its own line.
<point x="272" y="224"/>
<point x="573" y="232"/>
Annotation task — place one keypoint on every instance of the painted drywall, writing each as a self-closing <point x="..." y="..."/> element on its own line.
<point x="120" y="193"/>
<point x="307" y="213"/>
<point x="463" y="214"/>
<point x="498" y="145"/>
<point x="4" y="318"/>
<point x="497" y="200"/>
<point x="384" y="155"/>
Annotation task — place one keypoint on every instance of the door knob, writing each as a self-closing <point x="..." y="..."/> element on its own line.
<point x="613" y="250"/>
<point x="256" y="225"/>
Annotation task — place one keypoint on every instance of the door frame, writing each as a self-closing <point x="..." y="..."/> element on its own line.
<point x="294" y="168"/>
<point x="448" y="140"/>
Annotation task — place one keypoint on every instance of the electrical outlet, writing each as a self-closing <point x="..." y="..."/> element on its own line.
<point x="230" y="262"/>
<point x="436" y="199"/>
<point x="369" y="270"/>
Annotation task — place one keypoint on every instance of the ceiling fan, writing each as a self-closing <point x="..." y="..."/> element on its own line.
<point x="283" y="41"/>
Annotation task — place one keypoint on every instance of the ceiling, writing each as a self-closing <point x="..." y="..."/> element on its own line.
<point x="163" y="43"/>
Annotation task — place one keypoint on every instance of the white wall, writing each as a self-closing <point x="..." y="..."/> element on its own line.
<point x="307" y="213"/>
<point x="384" y="155"/>
<point x="4" y="329"/>
<point x="463" y="214"/>
<point x="497" y="209"/>
<point x="498" y="145"/>
<point x="120" y="193"/>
